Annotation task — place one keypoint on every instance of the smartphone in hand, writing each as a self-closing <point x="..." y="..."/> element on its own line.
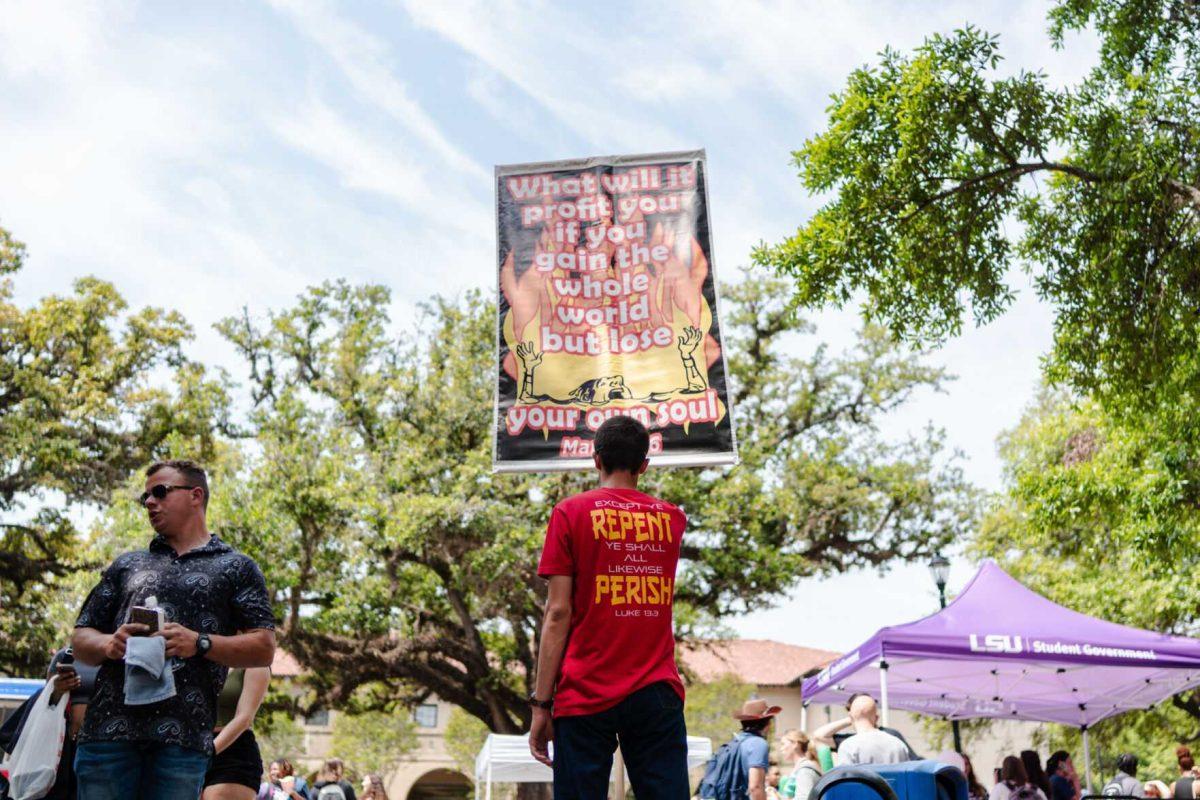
<point x="152" y="618"/>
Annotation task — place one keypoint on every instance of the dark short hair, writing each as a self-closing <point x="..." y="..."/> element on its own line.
<point x="756" y="725"/>
<point x="192" y="472"/>
<point x="622" y="443"/>
<point x="1127" y="763"/>
<point x="1056" y="760"/>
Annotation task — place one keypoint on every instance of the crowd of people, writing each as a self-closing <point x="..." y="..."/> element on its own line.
<point x="327" y="783"/>
<point x="1023" y="777"/>
<point x="744" y="767"/>
<point x="606" y="672"/>
<point x="170" y="662"/>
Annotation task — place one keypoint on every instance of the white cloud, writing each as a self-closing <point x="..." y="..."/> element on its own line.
<point x="673" y="81"/>
<point x="363" y="59"/>
<point x="46" y="37"/>
<point x="512" y="110"/>
<point x="365" y="163"/>
<point x="146" y="160"/>
<point x="558" y="62"/>
<point x="803" y="50"/>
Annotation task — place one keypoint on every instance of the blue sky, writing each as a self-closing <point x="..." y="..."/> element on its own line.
<point x="209" y="156"/>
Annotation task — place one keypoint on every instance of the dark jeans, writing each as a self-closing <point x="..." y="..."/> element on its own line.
<point x="145" y="770"/>
<point x="649" y="725"/>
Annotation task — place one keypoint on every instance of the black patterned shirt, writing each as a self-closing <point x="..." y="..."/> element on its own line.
<point x="211" y="589"/>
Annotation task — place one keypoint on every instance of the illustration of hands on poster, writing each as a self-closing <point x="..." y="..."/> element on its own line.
<point x="608" y="306"/>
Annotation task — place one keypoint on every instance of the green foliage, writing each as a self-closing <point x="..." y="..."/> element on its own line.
<point x="903" y="137"/>
<point x="80" y="411"/>
<point x="401" y="565"/>
<point x="1147" y="734"/>
<point x="940" y="735"/>
<point x="279" y="735"/>
<point x="932" y="157"/>
<point x="400" y="561"/>
<point x="464" y="738"/>
<point x="374" y="741"/>
<point x="1081" y="486"/>
<point x="710" y="705"/>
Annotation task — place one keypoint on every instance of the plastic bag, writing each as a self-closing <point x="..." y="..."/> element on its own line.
<point x="33" y="764"/>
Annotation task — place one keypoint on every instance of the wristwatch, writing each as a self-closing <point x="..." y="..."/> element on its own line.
<point x="546" y="704"/>
<point x="203" y="645"/>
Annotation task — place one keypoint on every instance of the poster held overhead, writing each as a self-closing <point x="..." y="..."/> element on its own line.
<point x="608" y="305"/>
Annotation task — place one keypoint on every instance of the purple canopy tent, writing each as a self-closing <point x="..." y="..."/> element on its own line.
<point x="1001" y="650"/>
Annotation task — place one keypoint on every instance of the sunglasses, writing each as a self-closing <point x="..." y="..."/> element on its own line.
<point x="160" y="492"/>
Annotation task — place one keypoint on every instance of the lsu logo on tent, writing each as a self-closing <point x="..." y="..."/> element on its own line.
<point x="995" y="643"/>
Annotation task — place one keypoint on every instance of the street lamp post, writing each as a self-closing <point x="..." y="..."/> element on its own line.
<point x="939" y="569"/>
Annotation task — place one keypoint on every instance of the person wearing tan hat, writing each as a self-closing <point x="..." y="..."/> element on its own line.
<point x="754" y="749"/>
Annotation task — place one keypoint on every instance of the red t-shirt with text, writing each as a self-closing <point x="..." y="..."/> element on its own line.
<point x="621" y="546"/>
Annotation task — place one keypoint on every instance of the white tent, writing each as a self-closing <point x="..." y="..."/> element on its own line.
<point x="506" y="759"/>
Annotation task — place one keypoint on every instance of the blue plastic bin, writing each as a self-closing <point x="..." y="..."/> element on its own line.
<point x="910" y="780"/>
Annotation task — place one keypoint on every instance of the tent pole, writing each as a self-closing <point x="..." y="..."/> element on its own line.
<point x="1087" y="759"/>
<point x="804" y="716"/>
<point x="883" y="697"/>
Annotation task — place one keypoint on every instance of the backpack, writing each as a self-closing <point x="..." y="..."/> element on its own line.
<point x="1026" y="792"/>
<point x="331" y="791"/>
<point x="1122" y="786"/>
<point x="723" y="778"/>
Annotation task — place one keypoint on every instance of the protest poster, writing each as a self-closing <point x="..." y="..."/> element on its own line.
<point x="608" y="305"/>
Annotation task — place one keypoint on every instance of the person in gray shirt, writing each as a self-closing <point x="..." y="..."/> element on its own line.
<point x="868" y="745"/>
<point x="1124" y="784"/>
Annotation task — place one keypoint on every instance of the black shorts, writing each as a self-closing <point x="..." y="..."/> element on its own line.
<point x="240" y="763"/>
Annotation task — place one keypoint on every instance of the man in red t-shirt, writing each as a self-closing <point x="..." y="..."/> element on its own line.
<point x="606" y="661"/>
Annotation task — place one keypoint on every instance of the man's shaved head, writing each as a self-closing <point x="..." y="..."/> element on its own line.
<point x="863" y="709"/>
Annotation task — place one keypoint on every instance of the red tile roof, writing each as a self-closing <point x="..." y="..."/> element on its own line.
<point x="761" y="662"/>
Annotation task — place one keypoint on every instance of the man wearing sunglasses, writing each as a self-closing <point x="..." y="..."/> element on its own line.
<point x="216" y="615"/>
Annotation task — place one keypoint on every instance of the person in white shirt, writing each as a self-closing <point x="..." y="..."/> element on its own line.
<point x="1014" y="783"/>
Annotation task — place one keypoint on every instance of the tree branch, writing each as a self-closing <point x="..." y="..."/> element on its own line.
<point x="1012" y="171"/>
<point x="1191" y="194"/>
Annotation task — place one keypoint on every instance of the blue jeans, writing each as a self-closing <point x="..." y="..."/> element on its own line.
<point x="139" y="771"/>
<point x="649" y="725"/>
